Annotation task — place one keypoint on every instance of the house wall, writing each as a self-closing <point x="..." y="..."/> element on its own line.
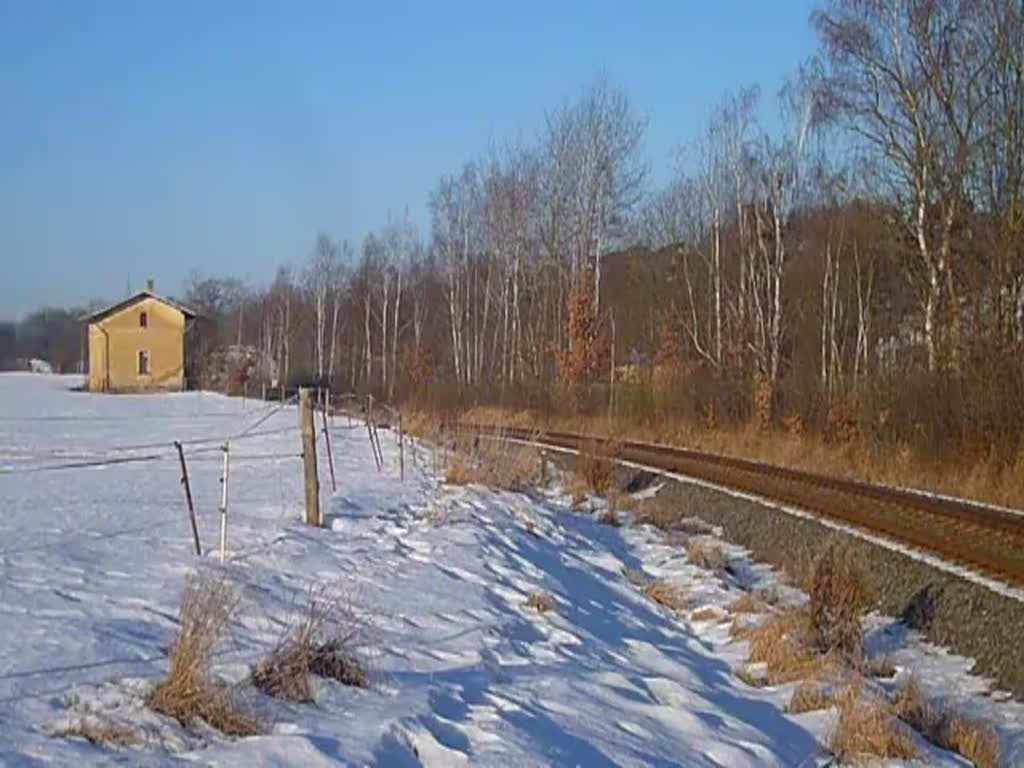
<point x="115" y="342"/>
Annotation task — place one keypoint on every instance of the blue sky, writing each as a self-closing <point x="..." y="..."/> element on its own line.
<point x="144" y="139"/>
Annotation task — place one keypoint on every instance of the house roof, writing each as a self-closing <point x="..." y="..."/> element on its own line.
<point x="95" y="317"/>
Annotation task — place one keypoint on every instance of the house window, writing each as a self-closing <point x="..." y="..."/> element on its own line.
<point x="143" y="320"/>
<point x="143" y="362"/>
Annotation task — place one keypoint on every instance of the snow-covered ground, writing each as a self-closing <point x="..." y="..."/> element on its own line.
<point x="93" y="560"/>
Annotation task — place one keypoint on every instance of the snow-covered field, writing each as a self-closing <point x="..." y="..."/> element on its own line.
<point x="93" y="560"/>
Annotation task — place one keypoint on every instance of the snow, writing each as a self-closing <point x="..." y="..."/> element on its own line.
<point x="93" y="559"/>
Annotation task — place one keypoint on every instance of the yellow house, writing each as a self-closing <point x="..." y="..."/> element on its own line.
<point x="138" y="344"/>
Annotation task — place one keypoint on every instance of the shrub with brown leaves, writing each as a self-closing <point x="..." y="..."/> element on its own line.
<point x="188" y="693"/>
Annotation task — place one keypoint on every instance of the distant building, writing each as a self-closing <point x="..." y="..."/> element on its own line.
<point x="138" y="344"/>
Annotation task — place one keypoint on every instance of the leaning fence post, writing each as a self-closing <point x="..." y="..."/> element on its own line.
<point x="188" y="497"/>
<point x="224" y="500"/>
<point x="330" y="453"/>
<point x="369" y="432"/>
<point x="312" y="481"/>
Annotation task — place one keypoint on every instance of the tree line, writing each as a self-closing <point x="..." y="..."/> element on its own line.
<point x="856" y="269"/>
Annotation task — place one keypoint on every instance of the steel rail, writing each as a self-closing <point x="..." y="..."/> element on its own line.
<point x="986" y="539"/>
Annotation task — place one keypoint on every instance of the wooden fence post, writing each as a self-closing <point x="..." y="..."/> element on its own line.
<point x="224" y="500"/>
<point x="401" y="448"/>
<point x="188" y="497"/>
<point x="327" y="443"/>
<point x="309" y="457"/>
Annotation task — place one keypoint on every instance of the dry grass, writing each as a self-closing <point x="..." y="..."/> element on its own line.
<point x="839" y="598"/>
<point x="460" y="471"/>
<point x="988" y="480"/>
<point x="610" y="516"/>
<point x="541" y="602"/>
<point x="748" y="677"/>
<point x="705" y="614"/>
<point x="809" y="696"/>
<point x="636" y="577"/>
<point x="664" y="594"/>
<point x="867" y="728"/>
<point x="879" y="666"/>
<point x="100" y="733"/>
<point x="785" y="643"/>
<point x="708" y="556"/>
<point x="973" y="739"/>
<point x="321" y="641"/>
<point x="595" y="467"/>
<point x="669" y="514"/>
<point x="188" y="693"/>
<point x="746" y="603"/>
<point x="493" y="463"/>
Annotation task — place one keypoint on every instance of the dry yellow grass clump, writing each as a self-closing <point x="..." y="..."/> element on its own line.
<point x="493" y="463"/>
<point x="973" y="739"/>
<point x="868" y="728"/>
<point x="705" y="614"/>
<point x="785" y="644"/>
<point x="839" y="597"/>
<point x="664" y="594"/>
<point x="320" y="642"/>
<point x="809" y="696"/>
<point x="541" y="602"/>
<point x="99" y="732"/>
<point x="188" y="693"/>
<point x="708" y="556"/>
<point x="595" y="467"/>
<point x="746" y="603"/>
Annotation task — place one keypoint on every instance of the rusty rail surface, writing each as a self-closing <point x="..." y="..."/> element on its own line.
<point x="982" y="538"/>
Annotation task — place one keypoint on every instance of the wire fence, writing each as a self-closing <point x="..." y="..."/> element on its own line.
<point x="205" y="449"/>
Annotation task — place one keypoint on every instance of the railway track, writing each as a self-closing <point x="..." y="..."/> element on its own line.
<point x="988" y="540"/>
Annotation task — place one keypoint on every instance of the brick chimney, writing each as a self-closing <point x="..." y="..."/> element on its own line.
<point x="149" y="285"/>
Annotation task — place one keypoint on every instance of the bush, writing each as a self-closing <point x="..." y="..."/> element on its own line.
<point x="188" y="693"/>
<point x="839" y="598"/>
